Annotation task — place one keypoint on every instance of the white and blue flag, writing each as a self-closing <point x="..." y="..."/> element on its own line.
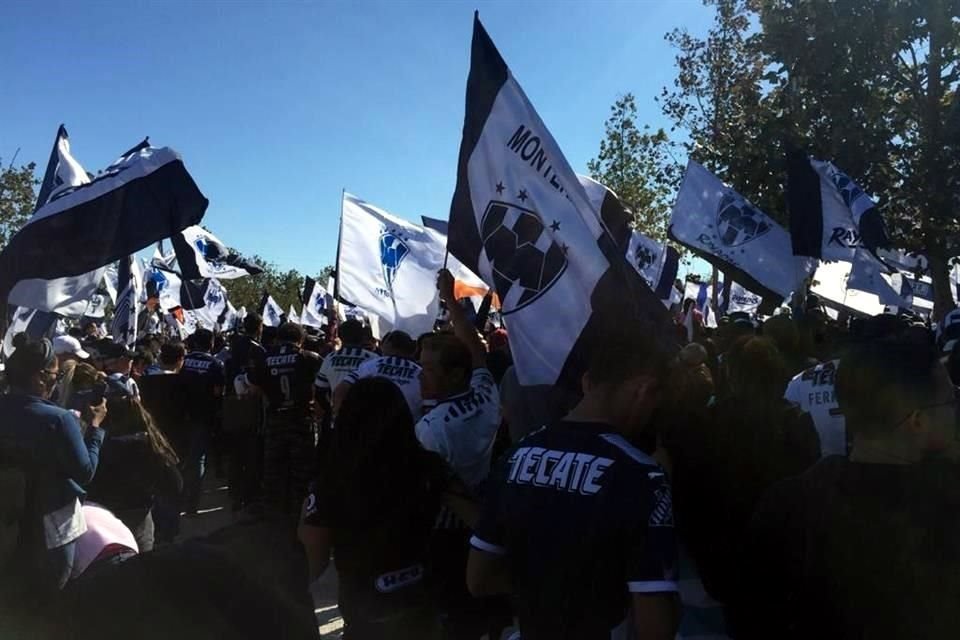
<point x="270" y="311"/>
<point x="388" y="267"/>
<point x="316" y="304"/>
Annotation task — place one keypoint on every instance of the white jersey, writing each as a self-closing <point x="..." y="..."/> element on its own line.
<point x="814" y="392"/>
<point x="339" y="364"/>
<point x="461" y="428"/>
<point x="403" y="372"/>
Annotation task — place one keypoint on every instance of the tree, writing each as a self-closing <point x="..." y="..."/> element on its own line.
<point x="867" y="84"/>
<point x="637" y="165"/>
<point x="17" y="199"/>
<point x="286" y="287"/>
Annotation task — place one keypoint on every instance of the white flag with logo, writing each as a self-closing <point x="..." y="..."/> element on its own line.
<point x="388" y="267"/>
<point x="272" y="313"/>
<point x="293" y="316"/>
<point x="720" y="225"/>
<point x="315" y="301"/>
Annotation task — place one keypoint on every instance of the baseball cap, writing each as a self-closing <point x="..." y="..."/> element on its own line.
<point x="68" y="345"/>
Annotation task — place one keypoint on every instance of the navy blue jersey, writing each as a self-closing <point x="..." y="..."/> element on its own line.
<point x="286" y="375"/>
<point x="202" y="378"/>
<point x="584" y="519"/>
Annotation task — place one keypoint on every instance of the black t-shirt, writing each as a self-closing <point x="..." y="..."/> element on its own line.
<point x="853" y="550"/>
<point x="584" y="520"/>
<point x="163" y="396"/>
<point x="202" y="376"/>
<point x="286" y="374"/>
<point x="380" y="544"/>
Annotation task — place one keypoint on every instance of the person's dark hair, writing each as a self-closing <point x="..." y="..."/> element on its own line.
<point x="401" y="343"/>
<point x="171" y="353"/>
<point x="290" y="332"/>
<point x="351" y="332"/>
<point x="454" y="354"/>
<point x="127" y="416"/>
<point x="879" y="383"/>
<point x="75" y="332"/>
<point x="252" y="323"/>
<point x="755" y="369"/>
<point x="687" y="304"/>
<point x="624" y="354"/>
<point x="144" y="358"/>
<point x="375" y="456"/>
<point x="30" y="358"/>
<point x="202" y="340"/>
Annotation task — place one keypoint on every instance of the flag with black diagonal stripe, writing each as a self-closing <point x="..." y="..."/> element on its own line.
<point x="522" y="222"/>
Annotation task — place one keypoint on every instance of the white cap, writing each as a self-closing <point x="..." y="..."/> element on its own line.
<point x="68" y="345"/>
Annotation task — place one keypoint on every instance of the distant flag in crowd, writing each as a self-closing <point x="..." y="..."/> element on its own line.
<point x="702" y="293"/>
<point x="315" y="304"/>
<point x="229" y="319"/>
<point x="522" y="222"/>
<point x="388" y="267"/>
<point x="36" y="324"/>
<point x="868" y="274"/>
<point x="739" y="299"/>
<point x="164" y="261"/>
<point x="136" y="201"/>
<point x="720" y="225"/>
<point x="163" y="286"/>
<point x="201" y="255"/>
<point x="270" y="311"/>
<point x="203" y="301"/>
<point x="123" y="328"/>
<point x="656" y="263"/>
<point x="292" y="315"/>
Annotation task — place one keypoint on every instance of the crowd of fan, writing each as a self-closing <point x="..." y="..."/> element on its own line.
<point x="794" y="478"/>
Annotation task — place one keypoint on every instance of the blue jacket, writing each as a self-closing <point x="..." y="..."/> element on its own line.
<point x="48" y="444"/>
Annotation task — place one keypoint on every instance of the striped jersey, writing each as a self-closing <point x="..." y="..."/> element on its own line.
<point x="339" y="364"/>
<point x="403" y="372"/>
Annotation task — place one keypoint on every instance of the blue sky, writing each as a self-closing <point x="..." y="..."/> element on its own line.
<point x="277" y="106"/>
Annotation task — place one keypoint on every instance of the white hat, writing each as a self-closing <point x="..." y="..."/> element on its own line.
<point x="68" y="345"/>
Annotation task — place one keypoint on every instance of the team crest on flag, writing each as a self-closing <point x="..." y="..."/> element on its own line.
<point x="525" y="260"/>
<point x="393" y="250"/>
<point x="847" y="188"/>
<point x="214" y="296"/>
<point x="643" y="258"/>
<point x="739" y="222"/>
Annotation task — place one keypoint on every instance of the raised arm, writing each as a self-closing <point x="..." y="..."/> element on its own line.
<point x="461" y="325"/>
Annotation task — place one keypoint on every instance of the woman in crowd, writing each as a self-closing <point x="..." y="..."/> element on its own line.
<point x="56" y="458"/>
<point x="375" y="506"/>
<point x="136" y="463"/>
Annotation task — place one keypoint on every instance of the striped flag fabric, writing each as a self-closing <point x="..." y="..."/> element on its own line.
<point x="36" y="324"/>
<point x="123" y="327"/>
<point x="203" y="302"/>
<point x="657" y="263"/>
<point x="521" y="221"/>
<point x="135" y="202"/>
<point x="831" y="217"/>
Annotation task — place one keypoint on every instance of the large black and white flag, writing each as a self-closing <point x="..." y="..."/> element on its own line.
<point x="721" y="226"/>
<point x="201" y="255"/>
<point x="68" y="296"/>
<point x="831" y="218"/>
<point x="657" y="263"/>
<point x="203" y="302"/>
<point x="123" y="328"/>
<point x="316" y="304"/>
<point x="141" y="198"/>
<point x="521" y="221"/>
<point x="271" y="312"/>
